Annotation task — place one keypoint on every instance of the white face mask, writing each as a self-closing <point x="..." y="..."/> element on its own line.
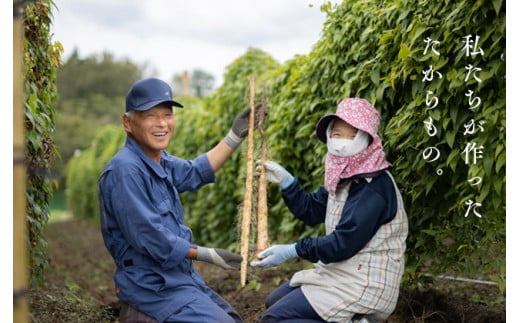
<point x="348" y="147"/>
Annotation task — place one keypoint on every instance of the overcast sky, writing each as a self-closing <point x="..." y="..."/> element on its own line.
<point x="173" y="35"/>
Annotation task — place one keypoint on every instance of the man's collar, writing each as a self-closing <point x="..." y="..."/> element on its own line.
<point x="152" y="164"/>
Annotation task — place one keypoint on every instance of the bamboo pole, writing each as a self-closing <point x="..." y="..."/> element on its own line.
<point x="20" y="282"/>
<point x="248" y="195"/>
<point x="262" y="241"/>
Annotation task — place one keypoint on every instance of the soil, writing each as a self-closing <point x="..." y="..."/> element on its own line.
<point x="78" y="287"/>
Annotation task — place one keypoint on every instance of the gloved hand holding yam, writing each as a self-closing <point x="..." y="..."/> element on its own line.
<point x="276" y="174"/>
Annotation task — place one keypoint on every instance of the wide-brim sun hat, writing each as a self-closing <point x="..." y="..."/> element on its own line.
<point x="148" y="93"/>
<point x="357" y="112"/>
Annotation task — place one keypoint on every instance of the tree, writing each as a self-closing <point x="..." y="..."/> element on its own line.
<point x="200" y="83"/>
<point x="80" y="78"/>
<point x="91" y="94"/>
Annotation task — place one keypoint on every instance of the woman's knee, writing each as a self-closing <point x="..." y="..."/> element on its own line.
<point x="278" y="293"/>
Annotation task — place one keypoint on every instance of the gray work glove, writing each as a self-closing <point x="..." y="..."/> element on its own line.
<point x="219" y="257"/>
<point x="275" y="173"/>
<point x="239" y="129"/>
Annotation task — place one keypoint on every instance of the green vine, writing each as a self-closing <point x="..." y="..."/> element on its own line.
<point x="41" y="60"/>
<point x="374" y="49"/>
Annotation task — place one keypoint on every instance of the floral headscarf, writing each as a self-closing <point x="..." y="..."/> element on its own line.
<point x="360" y="114"/>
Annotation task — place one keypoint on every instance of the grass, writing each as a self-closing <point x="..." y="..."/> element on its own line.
<point x="66" y="303"/>
<point x="58" y="208"/>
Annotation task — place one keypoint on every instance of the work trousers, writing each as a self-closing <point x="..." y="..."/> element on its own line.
<point x="287" y="304"/>
<point x="212" y="309"/>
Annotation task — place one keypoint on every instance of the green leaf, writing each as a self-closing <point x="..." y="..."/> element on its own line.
<point x="450" y="137"/>
<point x="496" y="5"/>
<point x="500" y="162"/>
<point x="374" y="76"/>
<point x="404" y="51"/>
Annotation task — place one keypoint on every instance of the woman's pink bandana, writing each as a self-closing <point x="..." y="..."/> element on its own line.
<point x="369" y="160"/>
<point x="360" y="114"/>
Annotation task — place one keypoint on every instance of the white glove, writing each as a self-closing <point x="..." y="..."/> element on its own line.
<point x="275" y="255"/>
<point x="275" y="173"/>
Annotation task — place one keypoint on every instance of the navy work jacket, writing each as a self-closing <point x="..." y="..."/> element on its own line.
<point x="370" y="204"/>
<point x="142" y="223"/>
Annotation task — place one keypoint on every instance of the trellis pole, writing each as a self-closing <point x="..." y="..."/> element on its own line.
<point x="20" y="274"/>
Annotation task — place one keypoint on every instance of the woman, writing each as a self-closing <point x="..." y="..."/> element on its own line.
<point x="360" y="261"/>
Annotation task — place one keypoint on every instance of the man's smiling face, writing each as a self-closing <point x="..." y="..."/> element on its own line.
<point x="151" y="129"/>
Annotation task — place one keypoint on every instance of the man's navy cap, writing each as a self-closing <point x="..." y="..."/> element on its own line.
<point x="146" y="94"/>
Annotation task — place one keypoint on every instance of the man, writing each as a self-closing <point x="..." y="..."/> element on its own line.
<point x="142" y="218"/>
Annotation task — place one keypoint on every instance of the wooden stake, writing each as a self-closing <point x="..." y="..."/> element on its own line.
<point x="248" y="195"/>
<point x="262" y="241"/>
<point x="20" y="273"/>
<point x="185" y="83"/>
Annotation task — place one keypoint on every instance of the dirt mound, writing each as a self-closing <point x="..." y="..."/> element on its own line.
<point x="79" y="287"/>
